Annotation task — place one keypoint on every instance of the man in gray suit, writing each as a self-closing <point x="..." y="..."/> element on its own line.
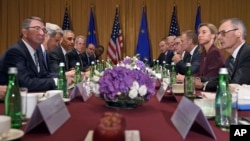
<point x="232" y="36"/>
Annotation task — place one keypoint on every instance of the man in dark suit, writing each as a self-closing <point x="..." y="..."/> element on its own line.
<point x="189" y="43"/>
<point x="166" y="54"/>
<point x="59" y="53"/>
<point x="52" y="39"/>
<point x="23" y="55"/>
<point x="179" y="51"/>
<point x="232" y="36"/>
<point x="75" y="55"/>
<point x="88" y="56"/>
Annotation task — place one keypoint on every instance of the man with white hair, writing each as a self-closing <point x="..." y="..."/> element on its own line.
<point x="52" y="39"/>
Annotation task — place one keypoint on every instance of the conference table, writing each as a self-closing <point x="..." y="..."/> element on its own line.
<point x="152" y="120"/>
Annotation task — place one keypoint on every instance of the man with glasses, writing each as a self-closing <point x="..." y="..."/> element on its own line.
<point x="179" y="52"/>
<point x="24" y="56"/>
<point x="232" y="36"/>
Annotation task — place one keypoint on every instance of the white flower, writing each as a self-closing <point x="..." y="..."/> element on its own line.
<point x="96" y="89"/>
<point x="119" y="93"/>
<point x="128" y="66"/>
<point x="133" y="93"/>
<point x="135" y="85"/>
<point x="95" y="78"/>
<point x="97" y="72"/>
<point x="142" y="90"/>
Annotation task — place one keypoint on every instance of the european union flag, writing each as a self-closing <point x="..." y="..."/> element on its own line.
<point x="143" y="44"/>
<point x="91" y="38"/>
<point x="66" y="20"/>
<point x="198" y="19"/>
<point x="174" y="27"/>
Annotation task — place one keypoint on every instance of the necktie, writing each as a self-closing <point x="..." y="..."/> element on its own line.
<point x="45" y="58"/>
<point x="190" y="57"/>
<point x="230" y="67"/>
<point x="36" y="61"/>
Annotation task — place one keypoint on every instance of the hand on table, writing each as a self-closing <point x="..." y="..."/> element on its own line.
<point x="3" y="89"/>
<point x="180" y="78"/>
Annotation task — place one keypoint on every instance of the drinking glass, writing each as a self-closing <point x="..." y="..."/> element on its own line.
<point x="23" y="92"/>
<point x="234" y="116"/>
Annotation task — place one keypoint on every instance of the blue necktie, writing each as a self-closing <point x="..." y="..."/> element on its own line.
<point x="36" y="61"/>
<point x="230" y="67"/>
<point x="45" y="58"/>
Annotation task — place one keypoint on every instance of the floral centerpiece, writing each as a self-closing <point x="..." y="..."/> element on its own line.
<point x="125" y="85"/>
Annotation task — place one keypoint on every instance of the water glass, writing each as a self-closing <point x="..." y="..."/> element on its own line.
<point x="23" y="92"/>
<point x="234" y="116"/>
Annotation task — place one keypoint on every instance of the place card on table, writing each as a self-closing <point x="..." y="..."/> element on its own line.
<point x="161" y="92"/>
<point x="83" y="89"/>
<point x="53" y="112"/>
<point x="186" y="114"/>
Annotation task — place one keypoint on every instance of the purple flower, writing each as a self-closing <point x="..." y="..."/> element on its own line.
<point x="119" y="80"/>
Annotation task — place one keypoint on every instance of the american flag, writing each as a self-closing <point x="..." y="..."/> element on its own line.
<point x="174" y="27"/>
<point x="66" y="21"/>
<point x="116" y="41"/>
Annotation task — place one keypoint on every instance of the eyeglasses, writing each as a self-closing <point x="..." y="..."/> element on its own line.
<point x="223" y="32"/>
<point x="38" y="28"/>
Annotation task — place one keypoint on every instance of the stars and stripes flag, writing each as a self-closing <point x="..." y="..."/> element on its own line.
<point x="197" y="19"/>
<point x="143" y="44"/>
<point x="174" y="27"/>
<point x="66" y="20"/>
<point x="91" y="37"/>
<point x="116" y="41"/>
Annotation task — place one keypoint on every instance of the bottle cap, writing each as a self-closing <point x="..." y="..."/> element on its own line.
<point x="172" y="63"/>
<point x="164" y="62"/>
<point x="77" y="64"/>
<point x="61" y="64"/>
<point x="12" y="70"/>
<point x="188" y="64"/>
<point x="92" y="63"/>
<point x="223" y="71"/>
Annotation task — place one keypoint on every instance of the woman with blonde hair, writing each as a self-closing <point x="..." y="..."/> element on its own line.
<point x="212" y="58"/>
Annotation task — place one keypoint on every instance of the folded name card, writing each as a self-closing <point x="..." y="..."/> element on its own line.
<point x="53" y="112"/>
<point x="186" y="114"/>
<point x="82" y="89"/>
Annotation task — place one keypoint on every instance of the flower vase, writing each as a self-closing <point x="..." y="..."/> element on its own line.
<point x="120" y="104"/>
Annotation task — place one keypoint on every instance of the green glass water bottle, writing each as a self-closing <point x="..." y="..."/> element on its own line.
<point x="189" y="87"/>
<point x="164" y="73"/>
<point x="157" y="68"/>
<point x="103" y="65"/>
<point x="92" y="70"/>
<point x="173" y="74"/>
<point x="77" y="76"/>
<point x="223" y="101"/>
<point x="12" y="103"/>
<point x="62" y="81"/>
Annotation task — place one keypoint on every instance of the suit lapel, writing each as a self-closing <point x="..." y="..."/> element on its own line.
<point x="30" y="63"/>
<point x="236" y="59"/>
